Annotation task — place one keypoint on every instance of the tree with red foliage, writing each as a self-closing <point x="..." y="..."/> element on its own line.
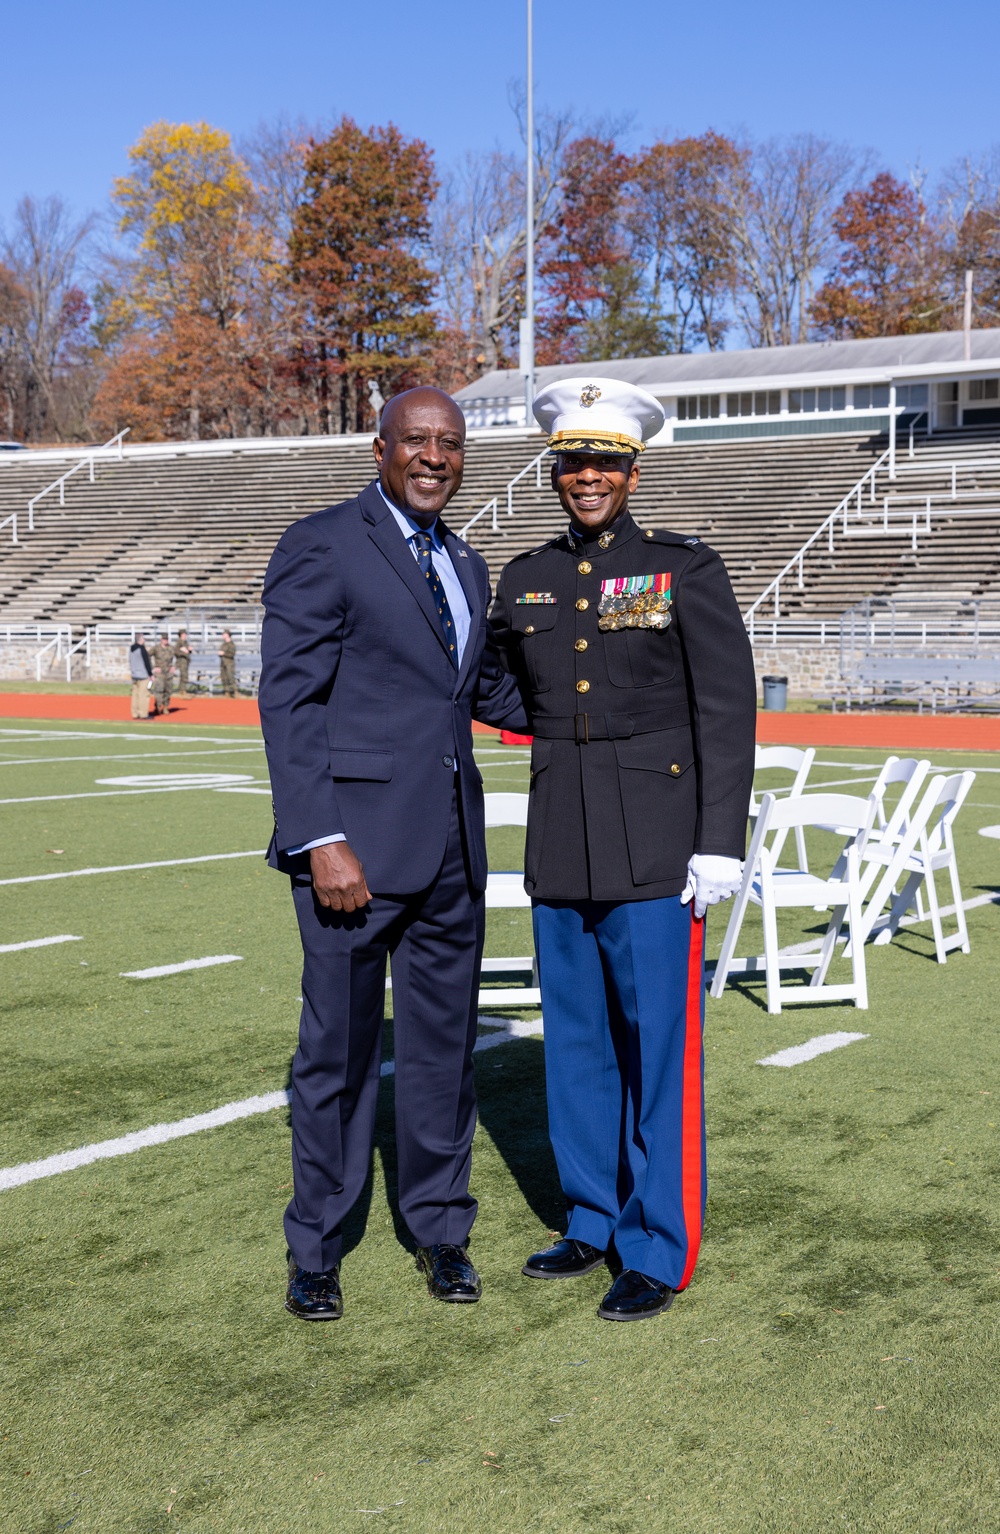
<point x="887" y="278"/>
<point x="357" y="265"/>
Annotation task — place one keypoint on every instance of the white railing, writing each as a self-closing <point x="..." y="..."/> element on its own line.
<point x="62" y="643"/>
<point x="493" y="504"/>
<point x="87" y="461"/>
<point x="797" y="561"/>
<point x="866" y="511"/>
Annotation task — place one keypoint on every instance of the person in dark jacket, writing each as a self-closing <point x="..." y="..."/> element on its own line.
<point x="376" y="658"/>
<point x="140" y="670"/>
<point x="637" y="672"/>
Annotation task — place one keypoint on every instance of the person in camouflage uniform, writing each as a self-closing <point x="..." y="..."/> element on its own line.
<point x="162" y="656"/>
<point x="227" y="665"/>
<point x="182" y="655"/>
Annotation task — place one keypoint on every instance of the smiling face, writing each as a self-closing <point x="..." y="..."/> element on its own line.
<point x="421" y="452"/>
<point x="594" y="487"/>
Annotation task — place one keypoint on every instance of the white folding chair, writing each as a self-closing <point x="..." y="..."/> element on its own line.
<point x="789" y="759"/>
<point x="889" y="831"/>
<point x="506" y="891"/>
<point x="771" y="887"/>
<point x="926" y="846"/>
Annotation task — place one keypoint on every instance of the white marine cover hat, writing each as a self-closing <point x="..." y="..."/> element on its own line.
<point x="591" y="414"/>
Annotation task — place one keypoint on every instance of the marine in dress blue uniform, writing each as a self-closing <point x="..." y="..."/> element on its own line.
<point x="636" y="670"/>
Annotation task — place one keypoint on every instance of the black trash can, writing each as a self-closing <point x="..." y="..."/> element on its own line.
<point x="776" y="694"/>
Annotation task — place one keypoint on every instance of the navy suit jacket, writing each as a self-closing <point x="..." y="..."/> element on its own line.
<point x="363" y="711"/>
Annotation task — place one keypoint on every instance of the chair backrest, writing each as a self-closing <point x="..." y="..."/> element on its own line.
<point x="506" y="809"/>
<point x="790" y="758"/>
<point x="909" y="771"/>
<point x="845" y="810"/>
<point x="945" y="795"/>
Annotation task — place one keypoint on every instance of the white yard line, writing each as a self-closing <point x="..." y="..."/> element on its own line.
<point x="127" y="868"/>
<point x="40" y="735"/>
<point x="177" y="755"/>
<point x="176" y="969"/>
<point x="115" y="793"/>
<point x="821" y="1045"/>
<point x="39" y="942"/>
<point x="160" y="1134"/>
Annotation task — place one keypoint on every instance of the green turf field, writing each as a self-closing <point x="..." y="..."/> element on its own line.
<point x="833" y="1365"/>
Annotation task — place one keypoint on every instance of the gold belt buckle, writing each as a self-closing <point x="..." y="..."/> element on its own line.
<point x="584" y="739"/>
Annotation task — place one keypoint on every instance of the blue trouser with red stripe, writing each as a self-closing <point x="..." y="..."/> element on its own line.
<point x="623" y="1008"/>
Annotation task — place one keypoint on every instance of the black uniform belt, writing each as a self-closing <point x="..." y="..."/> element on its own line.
<point x="583" y="728"/>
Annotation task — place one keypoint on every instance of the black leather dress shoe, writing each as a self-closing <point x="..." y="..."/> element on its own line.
<point x="567" y="1259"/>
<point x="633" y="1297"/>
<point x="449" y="1273"/>
<point x="314" y="1296"/>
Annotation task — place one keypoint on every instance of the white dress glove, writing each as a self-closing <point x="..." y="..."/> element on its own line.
<point x="711" y="879"/>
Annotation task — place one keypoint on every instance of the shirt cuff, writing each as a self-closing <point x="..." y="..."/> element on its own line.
<point x="321" y="841"/>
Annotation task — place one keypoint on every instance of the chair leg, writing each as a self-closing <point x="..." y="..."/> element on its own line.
<point x="772" y="963"/>
<point x="800" y="844"/>
<point x="900" y="905"/>
<point x="858" y="971"/>
<point x="736" y="916"/>
<point x="935" y="913"/>
<point x="956" y="890"/>
<point x="829" y="947"/>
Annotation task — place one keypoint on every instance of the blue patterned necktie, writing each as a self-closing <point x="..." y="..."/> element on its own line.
<point x="422" y="544"/>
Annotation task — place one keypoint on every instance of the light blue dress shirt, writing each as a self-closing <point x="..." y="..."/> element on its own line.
<point x="457" y="601"/>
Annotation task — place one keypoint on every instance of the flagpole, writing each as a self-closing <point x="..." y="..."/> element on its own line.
<point x="528" y="362"/>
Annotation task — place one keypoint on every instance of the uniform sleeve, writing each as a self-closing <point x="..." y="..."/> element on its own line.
<point x="498" y="698"/>
<point x="300" y="653"/>
<point x="723" y="691"/>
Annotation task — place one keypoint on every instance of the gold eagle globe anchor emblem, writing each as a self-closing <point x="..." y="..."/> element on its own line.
<point x="589" y="395"/>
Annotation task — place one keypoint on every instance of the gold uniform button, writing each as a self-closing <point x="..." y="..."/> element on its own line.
<point x="583" y="686"/>
<point x="675" y="769"/>
<point x="530" y="629"/>
<point x="582" y="605"/>
<point x="581" y="644"/>
<point x="585" y="567"/>
<point x="649" y="532"/>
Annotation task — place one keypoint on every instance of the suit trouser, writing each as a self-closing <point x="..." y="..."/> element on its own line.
<point x="435" y="943"/>
<point x="623" y="1002"/>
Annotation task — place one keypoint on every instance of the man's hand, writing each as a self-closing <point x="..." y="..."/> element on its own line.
<point x="338" y="878"/>
<point x="711" y="879"/>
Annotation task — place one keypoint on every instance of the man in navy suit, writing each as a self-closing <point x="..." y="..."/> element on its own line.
<point x="376" y="658"/>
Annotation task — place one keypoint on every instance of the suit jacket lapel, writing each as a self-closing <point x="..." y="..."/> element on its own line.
<point x="385" y="534"/>
<point x="463" y="568"/>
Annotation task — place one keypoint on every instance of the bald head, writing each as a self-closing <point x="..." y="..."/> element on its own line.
<point x="421" y="452"/>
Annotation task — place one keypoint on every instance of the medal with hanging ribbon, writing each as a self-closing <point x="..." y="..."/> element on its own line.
<point x="635" y="602"/>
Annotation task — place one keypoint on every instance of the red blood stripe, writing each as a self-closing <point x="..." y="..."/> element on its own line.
<point x="692" y="1171"/>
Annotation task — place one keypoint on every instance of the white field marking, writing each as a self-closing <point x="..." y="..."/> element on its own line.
<point x="992" y="831"/>
<point x="182" y="740"/>
<point x="110" y="793"/>
<point x="229" y="1113"/>
<point x="821" y="1045"/>
<point x="176" y="969"/>
<point x="39" y="942"/>
<point x="177" y="780"/>
<point x="176" y="755"/>
<point x="250" y="789"/>
<point x="127" y="868"/>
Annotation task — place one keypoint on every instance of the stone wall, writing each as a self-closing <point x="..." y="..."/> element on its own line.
<point x="810" y="669"/>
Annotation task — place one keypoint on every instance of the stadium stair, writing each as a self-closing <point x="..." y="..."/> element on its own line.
<point x="158" y="533"/>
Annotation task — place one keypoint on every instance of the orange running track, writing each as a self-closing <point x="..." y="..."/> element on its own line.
<point x="48" y="705"/>
<point x="888" y="732"/>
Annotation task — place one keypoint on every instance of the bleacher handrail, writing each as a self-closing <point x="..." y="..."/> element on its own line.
<point x="773" y="588"/>
<point x="60" y="483"/>
<point x="493" y="504"/>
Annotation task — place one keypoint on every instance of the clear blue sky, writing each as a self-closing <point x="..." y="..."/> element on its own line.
<point x="912" y="80"/>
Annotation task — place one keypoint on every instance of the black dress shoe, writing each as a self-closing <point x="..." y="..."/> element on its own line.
<point x="314" y="1296"/>
<point x="567" y="1259"/>
<point x="633" y="1297"/>
<point x="449" y="1273"/>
